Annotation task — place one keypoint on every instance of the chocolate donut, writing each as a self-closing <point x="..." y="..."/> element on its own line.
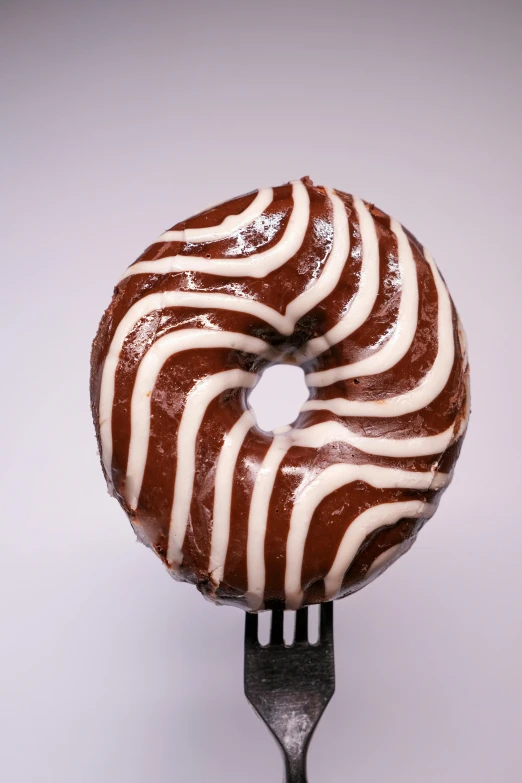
<point x="316" y="510"/>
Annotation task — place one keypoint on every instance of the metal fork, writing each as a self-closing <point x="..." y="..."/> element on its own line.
<point x="289" y="686"/>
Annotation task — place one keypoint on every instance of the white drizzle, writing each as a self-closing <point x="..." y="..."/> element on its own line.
<point x="227" y="227"/>
<point x="328" y="481"/>
<point x="201" y="300"/>
<point x="256" y="265"/>
<point x="333" y="268"/>
<point x="148" y="305"/>
<point x="205" y="390"/>
<point x="148" y="371"/>
<point x="319" y="435"/>
<point x="385" y="559"/>
<point x="362" y="303"/>
<point x="429" y="387"/>
<point x="208" y="388"/>
<point x="399" y="343"/>
<point x="366" y="523"/>
<point x="257" y="520"/>
<point x="223" y="485"/>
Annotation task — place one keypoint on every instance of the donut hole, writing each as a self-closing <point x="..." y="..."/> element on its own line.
<point x="278" y="396"/>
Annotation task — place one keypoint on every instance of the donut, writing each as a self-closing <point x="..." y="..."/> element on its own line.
<point x="314" y="511"/>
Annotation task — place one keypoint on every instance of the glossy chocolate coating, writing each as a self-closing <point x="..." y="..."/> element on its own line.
<point x="273" y="526"/>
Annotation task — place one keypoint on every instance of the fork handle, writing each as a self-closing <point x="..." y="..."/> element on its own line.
<point x="295" y="766"/>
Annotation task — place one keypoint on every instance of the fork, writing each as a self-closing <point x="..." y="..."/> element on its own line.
<point x="289" y="686"/>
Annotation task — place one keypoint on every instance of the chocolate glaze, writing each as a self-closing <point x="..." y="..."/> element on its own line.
<point x="179" y="375"/>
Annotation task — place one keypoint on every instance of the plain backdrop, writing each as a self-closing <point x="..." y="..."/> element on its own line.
<point x="121" y="118"/>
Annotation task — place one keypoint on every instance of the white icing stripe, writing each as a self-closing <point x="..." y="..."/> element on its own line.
<point x="257" y="521"/>
<point x="328" y="481"/>
<point x="223" y="484"/>
<point x="363" y="301"/>
<point x="256" y="265"/>
<point x="369" y="521"/>
<point x="316" y="436"/>
<point x="144" y="307"/>
<point x="430" y="386"/>
<point x="319" y="435"/>
<point x="322" y="286"/>
<point x="393" y="350"/>
<point x="148" y="371"/>
<point x="152" y="302"/>
<point x="385" y="558"/>
<point x="229" y="225"/>
<point x="284" y="324"/>
<point x="205" y="390"/>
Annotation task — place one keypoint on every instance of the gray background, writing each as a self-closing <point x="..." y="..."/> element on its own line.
<point x="120" y="118"/>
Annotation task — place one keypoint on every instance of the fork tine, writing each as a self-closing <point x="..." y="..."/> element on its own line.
<point x="301" y="625"/>
<point x="251" y="624"/>
<point x="326" y="622"/>
<point x="276" y="629"/>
